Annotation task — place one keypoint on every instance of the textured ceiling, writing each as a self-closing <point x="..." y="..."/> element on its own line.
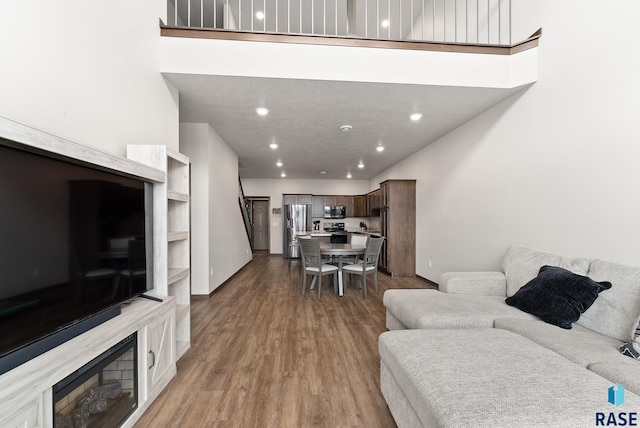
<point x="305" y="117"/>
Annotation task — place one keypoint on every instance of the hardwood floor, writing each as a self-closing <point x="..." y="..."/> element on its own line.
<point x="263" y="355"/>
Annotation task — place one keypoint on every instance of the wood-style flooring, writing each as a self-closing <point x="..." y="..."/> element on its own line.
<point x="263" y="355"/>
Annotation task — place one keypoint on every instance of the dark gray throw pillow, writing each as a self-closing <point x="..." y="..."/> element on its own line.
<point x="557" y="296"/>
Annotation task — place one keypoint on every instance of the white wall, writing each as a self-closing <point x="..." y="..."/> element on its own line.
<point x="219" y="243"/>
<point x="87" y="72"/>
<point x="554" y="167"/>
<point x="274" y="189"/>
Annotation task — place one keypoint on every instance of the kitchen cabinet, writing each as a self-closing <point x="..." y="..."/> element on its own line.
<point x="296" y="199"/>
<point x="375" y="203"/>
<point x="359" y="206"/>
<point x="350" y="205"/>
<point x="330" y="201"/>
<point x="398" y="226"/>
<point x="372" y="204"/>
<point x="335" y="201"/>
<point x="317" y="206"/>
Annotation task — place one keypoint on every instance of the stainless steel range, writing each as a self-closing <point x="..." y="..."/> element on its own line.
<point x="338" y="234"/>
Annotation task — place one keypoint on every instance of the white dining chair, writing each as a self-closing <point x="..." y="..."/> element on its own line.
<point x="369" y="263"/>
<point x="312" y="265"/>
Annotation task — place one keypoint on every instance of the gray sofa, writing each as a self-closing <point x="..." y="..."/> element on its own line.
<point x="460" y="356"/>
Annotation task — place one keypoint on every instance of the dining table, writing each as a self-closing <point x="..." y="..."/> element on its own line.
<point x="339" y="251"/>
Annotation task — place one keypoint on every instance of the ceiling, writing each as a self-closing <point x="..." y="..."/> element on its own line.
<point x="305" y="117"/>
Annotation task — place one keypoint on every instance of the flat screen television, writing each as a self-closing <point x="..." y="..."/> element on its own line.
<point x="75" y="242"/>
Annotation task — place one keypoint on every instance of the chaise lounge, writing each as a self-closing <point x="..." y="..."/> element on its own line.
<point x="463" y="356"/>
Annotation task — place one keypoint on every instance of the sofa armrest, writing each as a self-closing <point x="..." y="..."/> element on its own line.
<point x="479" y="283"/>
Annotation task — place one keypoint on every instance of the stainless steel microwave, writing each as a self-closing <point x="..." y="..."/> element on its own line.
<point x="335" y="212"/>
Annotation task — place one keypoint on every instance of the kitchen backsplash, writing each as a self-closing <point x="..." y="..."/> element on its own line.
<point x="352" y="223"/>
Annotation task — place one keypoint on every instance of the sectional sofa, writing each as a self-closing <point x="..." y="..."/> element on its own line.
<point x="461" y="356"/>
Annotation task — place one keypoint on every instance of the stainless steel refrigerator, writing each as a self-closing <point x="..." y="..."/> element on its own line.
<point x="297" y="218"/>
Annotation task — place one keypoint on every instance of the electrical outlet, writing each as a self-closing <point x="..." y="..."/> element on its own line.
<point x="429" y="263"/>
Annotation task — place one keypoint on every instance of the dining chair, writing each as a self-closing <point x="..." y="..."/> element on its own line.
<point x="312" y="265"/>
<point x="369" y="263"/>
<point x="356" y="239"/>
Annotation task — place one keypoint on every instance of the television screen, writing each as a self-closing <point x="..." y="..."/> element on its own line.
<point x="74" y="242"/>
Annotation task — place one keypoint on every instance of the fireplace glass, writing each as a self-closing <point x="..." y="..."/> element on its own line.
<point x="103" y="393"/>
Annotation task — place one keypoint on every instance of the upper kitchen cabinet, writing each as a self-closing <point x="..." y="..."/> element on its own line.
<point x="398" y="226"/>
<point x="296" y="199"/>
<point x="372" y="203"/>
<point x="317" y="206"/>
<point x="359" y="206"/>
<point x="350" y="206"/>
<point x="335" y="201"/>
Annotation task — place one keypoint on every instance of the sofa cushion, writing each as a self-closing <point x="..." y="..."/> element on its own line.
<point x="626" y="372"/>
<point x="490" y="378"/>
<point x="421" y="308"/>
<point x="522" y="264"/>
<point x="557" y="295"/>
<point x="615" y="313"/>
<point x="579" y="345"/>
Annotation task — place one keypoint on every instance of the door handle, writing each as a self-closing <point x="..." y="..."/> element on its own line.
<point x="153" y="359"/>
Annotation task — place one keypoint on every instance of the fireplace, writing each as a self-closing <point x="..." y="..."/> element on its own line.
<point x="103" y="393"/>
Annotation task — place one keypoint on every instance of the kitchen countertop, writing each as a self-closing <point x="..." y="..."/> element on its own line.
<point x="314" y="233"/>
<point x="367" y="232"/>
<point x="323" y="233"/>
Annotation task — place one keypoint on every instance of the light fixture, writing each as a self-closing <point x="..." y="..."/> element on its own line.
<point x="260" y="15"/>
<point x="348" y="175"/>
<point x="282" y="174"/>
<point x="380" y="148"/>
<point x="384" y="23"/>
<point x="346" y="128"/>
<point x="262" y="111"/>
<point x="360" y="165"/>
<point x="279" y="163"/>
<point x="273" y="146"/>
<point x="416" y="117"/>
<point x="323" y="172"/>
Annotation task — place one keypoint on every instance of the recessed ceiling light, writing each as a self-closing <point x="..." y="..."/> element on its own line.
<point x="346" y="128"/>
<point x="262" y="111"/>
<point x="260" y="15"/>
<point x="273" y="146"/>
<point x="283" y="175"/>
<point x="360" y="165"/>
<point x="279" y="163"/>
<point x="384" y="23"/>
<point x="380" y="148"/>
<point x="323" y="172"/>
<point x="348" y="175"/>
<point x="416" y="116"/>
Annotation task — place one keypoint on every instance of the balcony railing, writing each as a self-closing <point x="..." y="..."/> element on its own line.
<point x="481" y="22"/>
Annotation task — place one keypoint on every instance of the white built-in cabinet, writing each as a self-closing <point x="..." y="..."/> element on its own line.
<point x="170" y="232"/>
<point x="162" y="327"/>
<point x="26" y="396"/>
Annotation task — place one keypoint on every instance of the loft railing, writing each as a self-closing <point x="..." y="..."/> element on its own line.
<point x="485" y="22"/>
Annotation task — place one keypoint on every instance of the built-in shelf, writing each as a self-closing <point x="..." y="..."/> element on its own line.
<point x="176" y="274"/>
<point x="182" y="310"/>
<point x="177" y="196"/>
<point x="177" y="236"/>
<point x="171" y="233"/>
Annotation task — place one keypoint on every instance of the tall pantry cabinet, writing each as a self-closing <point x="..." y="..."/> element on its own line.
<point x="398" y="226"/>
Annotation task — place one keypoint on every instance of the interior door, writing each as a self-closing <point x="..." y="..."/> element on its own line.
<point x="260" y="225"/>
